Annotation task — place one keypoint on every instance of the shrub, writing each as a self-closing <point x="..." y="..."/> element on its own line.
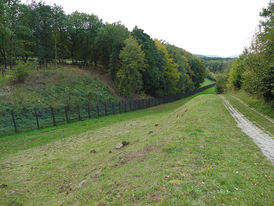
<point x="220" y="83"/>
<point x="21" y="71"/>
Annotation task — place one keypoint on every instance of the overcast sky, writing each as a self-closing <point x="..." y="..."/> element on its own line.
<point x="209" y="27"/>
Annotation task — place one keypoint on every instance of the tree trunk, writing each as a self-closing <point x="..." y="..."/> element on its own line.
<point x="5" y="62"/>
<point x="10" y="60"/>
<point x="71" y="53"/>
<point x="55" y="48"/>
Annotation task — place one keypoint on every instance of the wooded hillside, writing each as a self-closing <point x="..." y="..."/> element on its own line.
<point x="45" y="35"/>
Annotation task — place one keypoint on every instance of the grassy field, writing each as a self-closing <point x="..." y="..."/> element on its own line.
<point x="188" y="152"/>
<point x="207" y="82"/>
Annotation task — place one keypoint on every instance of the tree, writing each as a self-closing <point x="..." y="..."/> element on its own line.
<point x="129" y="77"/>
<point x="42" y="28"/>
<point x="58" y="16"/>
<point x="171" y="73"/>
<point x="177" y="54"/>
<point x="90" y="53"/>
<point x="77" y="26"/>
<point x="14" y="35"/>
<point x="153" y="74"/>
<point x="109" y="42"/>
<point x="198" y="68"/>
<point x="253" y="71"/>
<point x="5" y="33"/>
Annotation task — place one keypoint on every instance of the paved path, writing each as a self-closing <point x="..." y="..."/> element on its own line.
<point x="260" y="137"/>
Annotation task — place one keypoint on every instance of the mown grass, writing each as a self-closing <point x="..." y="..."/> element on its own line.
<point x="189" y="152"/>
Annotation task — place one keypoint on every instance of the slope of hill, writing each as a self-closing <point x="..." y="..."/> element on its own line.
<point x="66" y="85"/>
<point x="187" y="152"/>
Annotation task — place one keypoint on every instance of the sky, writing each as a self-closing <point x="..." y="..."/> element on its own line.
<point x="208" y="27"/>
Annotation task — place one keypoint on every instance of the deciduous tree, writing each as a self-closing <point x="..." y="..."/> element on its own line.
<point x="129" y="77"/>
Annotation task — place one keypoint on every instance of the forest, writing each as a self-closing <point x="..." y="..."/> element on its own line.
<point x="38" y="35"/>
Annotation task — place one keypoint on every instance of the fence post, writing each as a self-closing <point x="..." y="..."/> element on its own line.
<point x="79" y="112"/>
<point x="13" y="120"/>
<point x="144" y="103"/>
<point x="66" y="113"/>
<point x="98" y="111"/>
<point x="119" y="106"/>
<point x="88" y="110"/>
<point x="53" y="117"/>
<point x="125" y="104"/>
<point x="36" y="117"/>
<point x="113" y="109"/>
<point x="137" y="104"/>
<point x="105" y="106"/>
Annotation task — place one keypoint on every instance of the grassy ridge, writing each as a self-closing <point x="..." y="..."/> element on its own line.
<point x="183" y="153"/>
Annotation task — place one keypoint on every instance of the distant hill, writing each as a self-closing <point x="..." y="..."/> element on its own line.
<point x="215" y="56"/>
<point x="215" y="63"/>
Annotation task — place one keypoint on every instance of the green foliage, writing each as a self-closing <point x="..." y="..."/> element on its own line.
<point x="210" y="75"/>
<point x="45" y="34"/>
<point x="61" y="87"/>
<point x="217" y="65"/>
<point x="198" y="68"/>
<point x="18" y="99"/>
<point x="153" y="74"/>
<point x="82" y="32"/>
<point x="109" y="41"/>
<point x="129" y="77"/>
<point x="22" y="71"/>
<point x="177" y="55"/>
<point x="171" y="73"/>
<point x="253" y="70"/>
<point x="220" y="83"/>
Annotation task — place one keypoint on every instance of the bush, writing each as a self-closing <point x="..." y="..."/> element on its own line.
<point x="21" y="71"/>
<point x="220" y="84"/>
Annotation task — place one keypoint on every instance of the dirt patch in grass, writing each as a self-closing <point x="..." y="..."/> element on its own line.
<point x="139" y="154"/>
<point x="158" y="197"/>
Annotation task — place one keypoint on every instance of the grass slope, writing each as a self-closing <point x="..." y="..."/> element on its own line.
<point x="56" y="87"/>
<point x="256" y="102"/>
<point x="26" y="140"/>
<point x="183" y="153"/>
<point x="206" y="82"/>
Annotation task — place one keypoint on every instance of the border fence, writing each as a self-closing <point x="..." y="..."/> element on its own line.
<point x="28" y="119"/>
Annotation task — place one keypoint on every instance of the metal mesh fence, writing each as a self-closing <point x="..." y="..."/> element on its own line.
<point x="27" y="119"/>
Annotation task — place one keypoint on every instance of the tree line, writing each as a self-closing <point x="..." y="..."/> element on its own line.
<point x="253" y="71"/>
<point x="135" y="62"/>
